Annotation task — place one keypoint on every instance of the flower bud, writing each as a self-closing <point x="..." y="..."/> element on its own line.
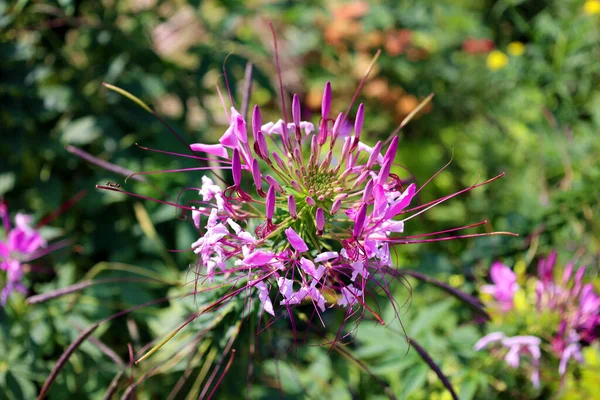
<point x="320" y="221"/>
<point x="256" y="121"/>
<point x="236" y="168"/>
<point x="292" y="206"/>
<point x="326" y="102"/>
<point x="270" y="204"/>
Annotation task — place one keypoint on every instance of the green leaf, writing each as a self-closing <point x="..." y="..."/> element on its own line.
<point x="81" y="131"/>
<point x="414" y="379"/>
<point x="428" y="317"/>
<point x="7" y="182"/>
<point x="18" y="388"/>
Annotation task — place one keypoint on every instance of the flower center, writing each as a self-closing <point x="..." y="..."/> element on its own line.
<point x="321" y="185"/>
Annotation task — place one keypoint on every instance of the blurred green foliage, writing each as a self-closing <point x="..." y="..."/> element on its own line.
<point x="533" y="114"/>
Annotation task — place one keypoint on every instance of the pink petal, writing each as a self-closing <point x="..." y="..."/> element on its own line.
<point x="296" y="241"/>
<point x="402" y="202"/>
<point x="258" y="258"/>
<point x="328" y="255"/>
<point x="309" y="267"/>
<point x="214" y="149"/>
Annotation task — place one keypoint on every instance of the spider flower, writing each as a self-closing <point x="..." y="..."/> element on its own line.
<point x="302" y="212"/>
<point x="310" y="213"/>
<point x="504" y="285"/>
<point x="22" y="244"/>
<point x="517" y="346"/>
<point x="574" y="308"/>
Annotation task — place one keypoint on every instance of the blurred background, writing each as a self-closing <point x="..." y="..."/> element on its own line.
<point x="516" y="91"/>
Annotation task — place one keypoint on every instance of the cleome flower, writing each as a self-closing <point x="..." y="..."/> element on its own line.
<point x="504" y="285"/>
<point x="21" y="244"/>
<point x="517" y="346"/>
<point x="292" y="212"/>
<point x="301" y="212"/>
<point x="311" y="212"/>
<point x="571" y="307"/>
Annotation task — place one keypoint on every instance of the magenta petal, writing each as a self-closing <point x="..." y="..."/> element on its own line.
<point x="359" y="222"/>
<point x="214" y="149"/>
<point x="285" y="287"/>
<point x="296" y="241"/>
<point x="380" y="201"/>
<point x="4" y="250"/>
<point x="239" y="126"/>
<point x="328" y="255"/>
<point x="258" y="258"/>
<point x="402" y="202"/>
<point x="263" y="296"/>
<point x="309" y="267"/>
<point x="229" y="138"/>
<point x="392" y="149"/>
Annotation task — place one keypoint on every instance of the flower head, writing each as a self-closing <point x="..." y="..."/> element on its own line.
<point x="516" y="49"/>
<point x="562" y="297"/>
<point x="19" y="246"/>
<point x="496" y="60"/>
<point x="309" y="212"/>
<point x="517" y="346"/>
<point x="591" y="7"/>
<point x="504" y="287"/>
<point x="23" y="243"/>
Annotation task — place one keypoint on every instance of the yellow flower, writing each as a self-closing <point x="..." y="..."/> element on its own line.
<point x="496" y="60"/>
<point x="516" y="48"/>
<point x="591" y="7"/>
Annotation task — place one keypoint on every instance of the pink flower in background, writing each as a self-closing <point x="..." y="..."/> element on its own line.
<point x="20" y="245"/>
<point x="504" y="285"/>
<point x="564" y="298"/>
<point x="517" y="346"/>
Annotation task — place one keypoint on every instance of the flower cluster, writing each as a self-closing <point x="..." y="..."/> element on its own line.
<point x="574" y="308"/>
<point x="21" y="244"/>
<point x="517" y="346"/>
